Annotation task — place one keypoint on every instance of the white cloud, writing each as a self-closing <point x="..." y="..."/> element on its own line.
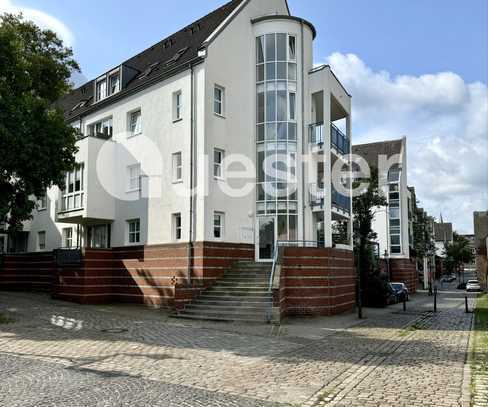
<point x="445" y="120"/>
<point x="41" y="18"/>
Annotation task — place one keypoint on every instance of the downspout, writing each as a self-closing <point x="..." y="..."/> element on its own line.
<point x="191" y="212"/>
<point x="304" y="135"/>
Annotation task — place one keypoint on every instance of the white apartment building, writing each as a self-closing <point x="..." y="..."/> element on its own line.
<point x="237" y="86"/>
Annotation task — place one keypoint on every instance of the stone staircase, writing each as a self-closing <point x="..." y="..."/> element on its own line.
<point x="241" y="295"/>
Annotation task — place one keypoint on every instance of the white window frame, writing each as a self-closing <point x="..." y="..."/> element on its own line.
<point x="67" y="235"/>
<point x="177" y="167"/>
<point x="290" y="118"/>
<point x="134" y="127"/>
<point x="177" y="230"/>
<point x="69" y="198"/>
<point x="42" y="202"/>
<point x="177" y="106"/>
<point x="220" y="102"/>
<point x="134" y="177"/>
<point x="134" y="236"/>
<point x="41" y="243"/>
<point x="221" y="226"/>
<point x="106" y="235"/>
<point x="218" y="168"/>
<point x="96" y="128"/>
<point x="110" y="76"/>
<point x="100" y="97"/>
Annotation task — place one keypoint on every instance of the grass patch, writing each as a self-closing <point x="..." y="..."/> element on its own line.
<point x="4" y="319"/>
<point x="479" y="346"/>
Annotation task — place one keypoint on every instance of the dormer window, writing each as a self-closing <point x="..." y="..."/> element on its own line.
<point x="107" y="85"/>
<point x="114" y="83"/>
<point x="102" y="129"/>
<point x="101" y="90"/>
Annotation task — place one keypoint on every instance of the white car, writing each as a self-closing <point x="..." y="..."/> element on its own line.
<point x="473" y="285"/>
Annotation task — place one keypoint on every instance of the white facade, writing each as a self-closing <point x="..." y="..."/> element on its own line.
<point x="130" y="191"/>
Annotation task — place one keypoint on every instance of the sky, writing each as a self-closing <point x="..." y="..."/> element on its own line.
<point x="416" y="68"/>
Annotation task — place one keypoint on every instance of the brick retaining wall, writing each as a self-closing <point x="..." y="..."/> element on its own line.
<point x="316" y="281"/>
<point x="404" y="271"/>
<point x="151" y="275"/>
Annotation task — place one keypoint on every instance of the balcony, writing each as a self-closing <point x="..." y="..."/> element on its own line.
<point x="341" y="202"/>
<point x="338" y="140"/>
<point x="83" y="197"/>
<point x="316" y="194"/>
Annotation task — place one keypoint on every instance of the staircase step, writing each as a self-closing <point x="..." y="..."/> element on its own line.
<point x="233" y="302"/>
<point x="220" y="319"/>
<point x="236" y="309"/>
<point x="235" y="298"/>
<point x="224" y="284"/>
<point x="218" y="314"/>
<point x="237" y="291"/>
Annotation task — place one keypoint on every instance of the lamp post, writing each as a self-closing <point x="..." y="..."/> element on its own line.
<point x="358" y="278"/>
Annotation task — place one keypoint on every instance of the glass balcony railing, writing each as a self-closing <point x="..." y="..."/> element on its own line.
<point x="316" y="195"/>
<point x="341" y="201"/>
<point x="338" y="139"/>
<point x="316" y="133"/>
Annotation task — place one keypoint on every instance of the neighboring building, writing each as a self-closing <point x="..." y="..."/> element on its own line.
<point x="240" y="81"/>
<point x="393" y="225"/>
<point x="481" y="246"/>
<point x="443" y="236"/>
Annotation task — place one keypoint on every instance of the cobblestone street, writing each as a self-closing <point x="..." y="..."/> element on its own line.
<point x="56" y="353"/>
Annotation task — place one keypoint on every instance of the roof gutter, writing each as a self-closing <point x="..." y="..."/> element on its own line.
<point x="122" y="94"/>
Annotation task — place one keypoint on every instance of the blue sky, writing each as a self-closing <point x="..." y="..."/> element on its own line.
<point x="414" y="67"/>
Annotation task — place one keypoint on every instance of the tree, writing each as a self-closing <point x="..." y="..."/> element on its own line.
<point x="36" y="143"/>
<point x="423" y="242"/>
<point x="364" y="207"/>
<point x="457" y="253"/>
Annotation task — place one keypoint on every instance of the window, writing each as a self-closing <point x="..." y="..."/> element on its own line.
<point x="177" y="105"/>
<point x="177" y="168"/>
<point x="134" y="230"/>
<point x="41" y="240"/>
<point x="135" y="123"/>
<point x="72" y="198"/>
<point x="68" y="238"/>
<point x="134" y="177"/>
<point x="218" y="225"/>
<point x="219" y="95"/>
<point x="99" y="236"/>
<point x="42" y="202"/>
<point x="101" y="89"/>
<point x="394" y="173"/>
<point x="218" y="160"/>
<point x="114" y="83"/>
<point x="101" y="129"/>
<point x="177" y="226"/>
<point x="292" y="105"/>
<point x="292" y="48"/>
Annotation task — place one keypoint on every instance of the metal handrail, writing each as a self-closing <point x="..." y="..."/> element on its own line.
<point x="288" y="243"/>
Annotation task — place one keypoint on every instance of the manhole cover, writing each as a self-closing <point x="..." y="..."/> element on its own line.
<point x="114" y="330"/>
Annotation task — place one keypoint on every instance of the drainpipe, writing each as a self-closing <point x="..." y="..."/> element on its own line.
<point x="191" y="212"/>
<point x="304" y="132"/>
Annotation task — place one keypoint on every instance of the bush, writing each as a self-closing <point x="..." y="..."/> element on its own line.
<point x="376" y="292"/>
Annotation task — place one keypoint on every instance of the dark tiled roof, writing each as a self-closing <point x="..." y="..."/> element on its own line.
<point x="443" y="232"/>
<point x="185" y="42"/>
<point x="371" y="151"/>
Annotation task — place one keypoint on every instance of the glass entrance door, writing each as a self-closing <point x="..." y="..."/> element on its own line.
<point x="266" y="238"/>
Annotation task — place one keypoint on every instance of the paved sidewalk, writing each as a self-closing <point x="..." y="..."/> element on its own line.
<point x="58" y="353"/>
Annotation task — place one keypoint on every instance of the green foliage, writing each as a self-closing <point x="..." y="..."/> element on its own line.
<point x="422" y="237"/>
<point x="36" y="143"/>
<point x="457" y="253"/>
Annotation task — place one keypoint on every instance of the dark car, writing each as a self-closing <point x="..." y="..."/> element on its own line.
<point x="401" y="291"/>
<point x="391" y="296"/>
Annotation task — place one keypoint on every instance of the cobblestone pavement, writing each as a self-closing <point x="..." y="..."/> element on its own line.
<point x="57" y="353"/>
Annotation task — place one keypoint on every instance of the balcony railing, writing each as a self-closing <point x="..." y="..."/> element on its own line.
<point x="341" y="201"/>
<point x="316" y="134"/>
<point x="338" y="139"/>
<point x="316" y="195"/>
<point x="69" y="202"/>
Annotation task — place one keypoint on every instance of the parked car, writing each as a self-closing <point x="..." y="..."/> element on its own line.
<point x="448" y="278"/>
<point x="473" y="286"/>
<point x="461" y="286"/>
<point x="391" y="297"/>
<point x="401" y="291"/>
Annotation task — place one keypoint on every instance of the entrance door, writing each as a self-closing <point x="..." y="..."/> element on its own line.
<point x="266" y="238"/>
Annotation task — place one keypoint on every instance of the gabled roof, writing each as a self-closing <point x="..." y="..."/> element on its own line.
<point x="371" y="151"/>
<point x="443" y="232"/>
<point x="159" y="61"/>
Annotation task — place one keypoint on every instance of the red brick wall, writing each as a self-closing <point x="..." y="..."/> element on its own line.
<point x="404" y="271"/>
<point x="316" y="281"/>
<point x="151" y="275"/>
<point x="27" y="272"/>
